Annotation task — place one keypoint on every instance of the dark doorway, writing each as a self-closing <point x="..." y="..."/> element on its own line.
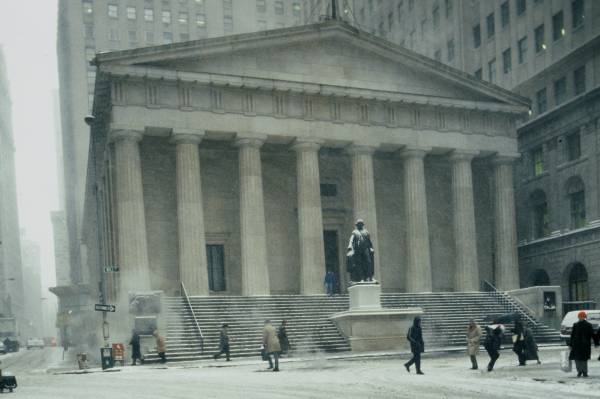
<point x="215" y="255"/>
<point x="332" y="256"/>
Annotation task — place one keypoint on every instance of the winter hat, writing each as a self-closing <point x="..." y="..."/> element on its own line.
<point x="582" y="315"/>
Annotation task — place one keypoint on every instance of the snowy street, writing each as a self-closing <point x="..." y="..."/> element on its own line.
<point x="446" y="376"/>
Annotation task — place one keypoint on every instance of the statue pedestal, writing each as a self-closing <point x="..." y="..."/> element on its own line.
<point x="368" y="326"/>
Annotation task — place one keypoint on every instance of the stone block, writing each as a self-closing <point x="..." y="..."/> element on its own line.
<point x="365" y="296"/>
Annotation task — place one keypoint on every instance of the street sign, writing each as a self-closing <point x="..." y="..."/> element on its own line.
<point x="111" y="269"/>
<point x="104" y="308"/>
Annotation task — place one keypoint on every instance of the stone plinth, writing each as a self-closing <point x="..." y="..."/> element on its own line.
<point x="369" y="327"/>
<point x="365" y="296"/>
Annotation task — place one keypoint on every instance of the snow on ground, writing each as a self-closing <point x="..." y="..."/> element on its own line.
<point x="446" y="376"/>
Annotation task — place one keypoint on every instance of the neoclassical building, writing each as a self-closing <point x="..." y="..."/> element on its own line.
<point x="237" y="165"/>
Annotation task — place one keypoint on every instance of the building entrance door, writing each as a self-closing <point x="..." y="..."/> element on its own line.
<point x="332" y="256"/>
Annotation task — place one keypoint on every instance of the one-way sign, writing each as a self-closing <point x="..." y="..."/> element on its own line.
<point x="104" y="308"/>
<point x="111" y="269"/>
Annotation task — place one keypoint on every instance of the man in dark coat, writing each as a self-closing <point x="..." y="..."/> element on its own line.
<point x="581" y="344"/>
<point x="493" y="340"/>
<point x="518" y="339"/>
<point x="136" y="353"/>
<point x="330" y="282"/>
<point x="361" y="253"/>
<point x="417" y="346"/>
<point x="284" y="341"/>
<point x="223" y="343"/>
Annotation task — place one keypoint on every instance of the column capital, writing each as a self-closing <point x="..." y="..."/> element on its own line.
<point x="505" y="159"/>
<point x="463" y="155"/>
<point x="301" y="145"/>
<point x="126" y="135"/>
<point x="414" y="152"/>
<point x="186" y="137"/>
<point x="361" y="149"/>
<point x="249" y="142"/>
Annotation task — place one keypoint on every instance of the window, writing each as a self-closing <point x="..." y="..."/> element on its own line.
<point x="506" y="61"/>
<point x="132" y="36"/>
<point x="522" y="44"/>
<point x="89" y="31"/>
<point x="579" y="80"/>
<point x="166" y="17"/>
<point x="183" y="18"/>
<point x="227" y="6"/>
<point x="491" y="28"/>
<point x="227" y="23"/>
<point x="537" y="161"/>
<point x="438" y="55"/>
<point x="560" y="90"/>
<point x="261" y="5"/>
<point x="492" y="71"/>
<point x="521" y="7"/>
<point x="131" y="13"/>
<point x="435" y="17"/>
<point x="578" y="283"/>
<point x="201" y="20"/>
<point x="479" y="73"/>
<point x="113" y="11"/>
<point x="576" y="195"/>
<point x="539" y="39"/>
<point x="90" y="53"/>
<point x="504" y="14"/>
<point x="296" y="8"/>
<point x="477" y="36"/>
<point x="149" y="37"/>
<point x="88" y="7"/>
<point x="450" y="45"/>
<point x="113" y="34"/>
<point x="573" y="146"/>
<point x="215" y="262"/>
<point x="542" y="101"/>
<point x="168" y="37"/>
<point x="449" y="8"/>
<point x="148" y="14"/>
<point x="328" y="190"/>
<point x="539" y="210"/>
<point x="279" y="8"/>
<point x="577" y="13"/>
<point x="558" y="26"/>
<point x="381" y="29"/>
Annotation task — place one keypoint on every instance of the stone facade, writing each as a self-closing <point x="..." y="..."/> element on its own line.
<point x="283" y="114"/>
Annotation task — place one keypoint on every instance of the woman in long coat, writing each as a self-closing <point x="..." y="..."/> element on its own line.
<point x="518" y="339"/>
<point x="271" y="344"/>
<point x="473" y="337"/>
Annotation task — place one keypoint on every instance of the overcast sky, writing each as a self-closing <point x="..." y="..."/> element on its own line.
<point x="28" y="37"/>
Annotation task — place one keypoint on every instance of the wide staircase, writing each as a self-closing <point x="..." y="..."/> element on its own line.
<point x="446" y="317"/>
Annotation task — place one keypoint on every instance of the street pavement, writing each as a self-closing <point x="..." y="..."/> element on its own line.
<point x="42" y="374"/>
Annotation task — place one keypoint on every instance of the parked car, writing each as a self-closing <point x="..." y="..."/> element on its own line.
<point x="593" y="316"/>
<point x="35" y="343"/>
<point x="2" y="348"/>
<point x="11" y="344"/>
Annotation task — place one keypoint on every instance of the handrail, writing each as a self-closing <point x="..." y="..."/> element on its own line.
<point x="513" y="302"/>
<point x="187" y="299"/>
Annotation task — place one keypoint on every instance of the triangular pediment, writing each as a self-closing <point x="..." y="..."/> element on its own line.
<point x="331" y="53"/>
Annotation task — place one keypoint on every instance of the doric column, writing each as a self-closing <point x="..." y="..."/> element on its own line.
<point x="418" y="277"/>
<point x="507" y="264"/>
<point x="255" y="271"/>
<point x="310" y="218"/>
<point x="190" y="215"/>
<point x="363" y="194"/>
<point x="133" y="246"/>
<point x="465" y="239"/>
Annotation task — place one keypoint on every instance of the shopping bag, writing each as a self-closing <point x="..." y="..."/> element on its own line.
<point x="565" y="363"/>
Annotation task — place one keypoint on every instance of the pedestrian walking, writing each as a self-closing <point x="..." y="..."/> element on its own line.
<point x="271" y="344"/>
<point x="474" y="334"/>
<point x="136" y="353"/>
<point x="531" y="348"/>
<point x="417" y="346"/>
<point x="493" y="340"/>
<point x="582" y="336"/>
<point x="330" y="283"/>
<point x="223" y="343"/>
<point x="518" y="340"/>
<point x="161" y="347"/>
<point x="284" y="341"/>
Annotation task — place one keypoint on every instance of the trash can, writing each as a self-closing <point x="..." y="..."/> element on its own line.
<point x="82" y="361"/>
<point x="106" y="357"/>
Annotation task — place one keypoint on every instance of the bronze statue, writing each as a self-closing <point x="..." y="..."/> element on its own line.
<point x="360" y="256"/>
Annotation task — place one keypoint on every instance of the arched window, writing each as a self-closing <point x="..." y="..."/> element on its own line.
<point x="540" y="224"/>
<point x="540" y="277"/>
<point x="578" y="283"/>
<point x="576" y="194"/>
